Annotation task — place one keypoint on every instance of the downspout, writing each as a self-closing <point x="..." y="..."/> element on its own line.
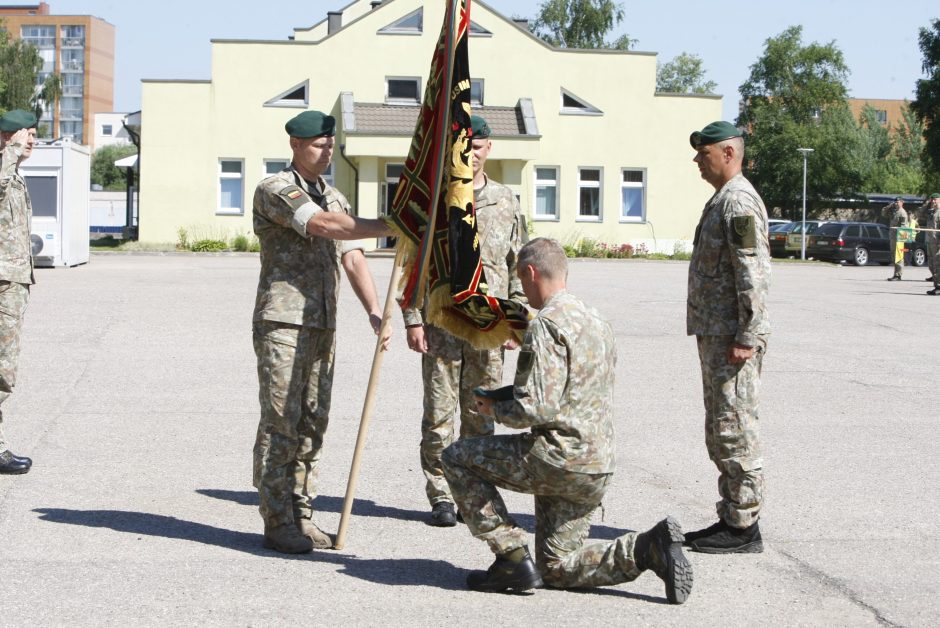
<point x="342" y="151"/>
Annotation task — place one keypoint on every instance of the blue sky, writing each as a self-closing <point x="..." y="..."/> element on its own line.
<point x="878" y="38"/>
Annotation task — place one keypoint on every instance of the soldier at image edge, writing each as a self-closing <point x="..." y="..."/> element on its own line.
<point x="450" y="367"/>
<point x="17" y="138"/>
<point x="301" y="222"/>
<point x="563" y="393"/>
<point x="729" y="279"/>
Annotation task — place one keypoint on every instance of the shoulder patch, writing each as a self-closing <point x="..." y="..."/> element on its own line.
<point x="744" y="231"/>
<point x="293" y="196"/>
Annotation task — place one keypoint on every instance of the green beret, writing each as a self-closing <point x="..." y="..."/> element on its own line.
<point x="898" y="199"/>
<point x="17" y="119"/>
<point x="481" y="130"/>
<point x="311" y="124"/>
<point x="935" y="195"/>
<point x="713" y="133"/>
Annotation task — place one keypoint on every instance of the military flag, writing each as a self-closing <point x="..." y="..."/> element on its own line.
<point x="433" y="211"/>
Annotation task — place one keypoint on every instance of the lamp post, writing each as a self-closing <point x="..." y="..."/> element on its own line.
<point x="805" y="152"/>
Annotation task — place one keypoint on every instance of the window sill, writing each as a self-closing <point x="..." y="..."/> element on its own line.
<point x="229" y="212"/>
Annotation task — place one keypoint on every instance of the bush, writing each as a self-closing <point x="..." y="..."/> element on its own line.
<point x="209" y="246"/>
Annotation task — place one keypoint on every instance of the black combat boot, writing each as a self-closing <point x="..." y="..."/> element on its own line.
<point x="722" y="538"/>
<point x="443" y="515"/>
<point x="512" y="571"/>
<point x="11" y="464"/>
<point x="660" y="549"/>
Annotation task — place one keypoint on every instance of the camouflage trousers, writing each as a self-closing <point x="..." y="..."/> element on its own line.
<point x="933" y="260"/>
<point x="732" y="428"/>
<point x="295" y="378"/>
<point x="447" y="383"/>
<point x="13" y="299"/>
<point x="564" y="504"/>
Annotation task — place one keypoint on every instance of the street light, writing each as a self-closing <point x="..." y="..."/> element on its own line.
<point x="805" y="152"/>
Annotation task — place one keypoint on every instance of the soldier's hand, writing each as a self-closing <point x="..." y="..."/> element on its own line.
<point x="484" y="405"/>
<point x="376" y="321"/>
<point x="511" y="344"/>
<point x="738" y="353"/>
<point x="416" y="339"/>
<point x="21" y="137"/>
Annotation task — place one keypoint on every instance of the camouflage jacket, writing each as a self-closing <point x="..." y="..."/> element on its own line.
<point x="897" y="217"/>
<point x="299" y="281"/>
<point x="564" y="387"/>
<point x="16" y="215"/>
<point x="729" y="274"/>
<point x="930" y="219"/>
<point x="502" y="230"/>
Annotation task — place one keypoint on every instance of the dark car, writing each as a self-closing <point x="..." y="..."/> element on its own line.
<point x="779" y="234"/>
<point x="856" y="242"/>
<point x="916" y="254"/>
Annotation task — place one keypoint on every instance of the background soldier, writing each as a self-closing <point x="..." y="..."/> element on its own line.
<point x="729" y="276"/>
<point x="564" y="392"/>
<point x="450" y="367"/>
<point x="17" y="137"/>
<point x="298" y="219"/>
<point x="930" y="219"/>
<point x="897" y="217"/>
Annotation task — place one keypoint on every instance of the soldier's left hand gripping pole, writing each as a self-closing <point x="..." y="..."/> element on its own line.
<point x="369" y="402"/>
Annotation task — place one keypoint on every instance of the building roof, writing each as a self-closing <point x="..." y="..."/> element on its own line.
<point x="383" y="119"/>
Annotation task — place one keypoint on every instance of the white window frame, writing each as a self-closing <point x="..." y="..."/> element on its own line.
<point x="403" y="101"/>
<point x="546" y="183"/>
<point x="587" y="109"/>
<point x="240" y="176"/>
<point x="268" y="162"/>
<point x="633" y="185"/>
<point x="599" y="186"/>
<point x="107" y="130"/>
<point x="477" y="103"/>
<point x="281" y="100"/>
<point x="395" y="29"/>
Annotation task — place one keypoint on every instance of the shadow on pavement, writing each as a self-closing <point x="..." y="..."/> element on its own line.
<point x="368" y="508"/>
<point x="402" y="572"/>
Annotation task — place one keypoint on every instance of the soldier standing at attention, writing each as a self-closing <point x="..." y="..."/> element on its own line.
<point x="563" y="392"/>
<point x="450" y="367"/>
<point x="897" y="217"/>
<point x="17" y="137"/>
<point x="299" y="220"/>
<point x="729" y="277"/>
<point x="930" y="219"/>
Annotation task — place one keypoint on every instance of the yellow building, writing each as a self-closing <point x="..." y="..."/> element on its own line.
<point x="888" y="112"/>
<point x="580" y="135"/>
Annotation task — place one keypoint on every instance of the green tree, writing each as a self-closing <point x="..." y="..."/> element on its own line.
<point x="926" y="105"/>
<point x="795" y="97"/>
<point x="20" y="64"/>
<point x="892" y="162"/>
<point x="684" y="75"/>
<point x="103" y="170"/>
<point x="580" y="24"/>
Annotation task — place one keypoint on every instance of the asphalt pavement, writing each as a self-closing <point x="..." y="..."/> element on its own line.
<point x="137" y="399"/>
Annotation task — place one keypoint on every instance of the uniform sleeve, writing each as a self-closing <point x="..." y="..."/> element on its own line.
<point x="412" y="316"/>
<point x="520" y="235"/>
<point x="747" y="244"/>
<point x="541" y="378"/>
<point x="285" y="205"/>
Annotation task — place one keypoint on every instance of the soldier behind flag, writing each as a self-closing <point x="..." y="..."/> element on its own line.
<point x="450" y="367"/>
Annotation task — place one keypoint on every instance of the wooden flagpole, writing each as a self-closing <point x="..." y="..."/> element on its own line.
<point x="369" y="402"/>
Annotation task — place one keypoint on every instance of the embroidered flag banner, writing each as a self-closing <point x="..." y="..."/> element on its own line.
<point x="433" y="210"/>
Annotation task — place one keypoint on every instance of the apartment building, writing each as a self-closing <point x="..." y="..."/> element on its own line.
<point x="80" y="48"/>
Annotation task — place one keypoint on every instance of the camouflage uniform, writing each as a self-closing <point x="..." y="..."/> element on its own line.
<point x="16" y="268"/>
<point x="930" y="219"/>
<point x="452" y="368"/>
<point x="729" y="277"/>
<point x="897" y="218"/>
<point x="294" y="340"/>
<point x="563" y="391"/>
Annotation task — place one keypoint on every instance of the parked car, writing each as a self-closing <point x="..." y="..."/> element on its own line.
<point x="917" y="250"/>
<point x="778" y="236"/>
<point x="856" y="242"/>
<point x="776" y="221"/>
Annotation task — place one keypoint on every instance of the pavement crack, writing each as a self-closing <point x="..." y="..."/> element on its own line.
<point x="838" y="586"/>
